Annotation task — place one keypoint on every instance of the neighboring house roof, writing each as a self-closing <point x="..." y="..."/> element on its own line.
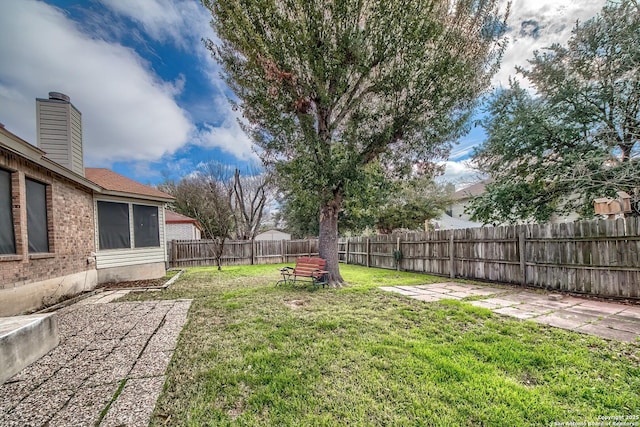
<point x="472" y="191"/>
<point x="123" y="186"/>
<point x="171" y="217"/>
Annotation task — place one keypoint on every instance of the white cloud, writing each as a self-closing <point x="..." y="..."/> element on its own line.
<point x="227" y="135"/>
<point x="460" y="173"/>
<point x="128" y="112"/>
<point x="185" y="23"/>
<point x="534" y="25"/>
<point x="182" y="22"/>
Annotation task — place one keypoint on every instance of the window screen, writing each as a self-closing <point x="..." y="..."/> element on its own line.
<point x="7" y="238"/>
<point x="113" y="225"/>
<point x="145" y="227"/>
<point x="37" y="230"/>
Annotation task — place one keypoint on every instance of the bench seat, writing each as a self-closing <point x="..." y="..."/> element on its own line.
<point x="307" y="269"/>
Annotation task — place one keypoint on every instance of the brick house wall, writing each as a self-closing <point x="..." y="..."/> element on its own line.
<point x="69" y="266"/>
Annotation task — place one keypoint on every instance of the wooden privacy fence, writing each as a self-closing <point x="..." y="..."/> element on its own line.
<point x="593" y="257"/>
<point x="193" y="253"/>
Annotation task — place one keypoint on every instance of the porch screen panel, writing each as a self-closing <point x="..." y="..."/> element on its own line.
<point x="37" y="227"/>
<point x="7" y="238"/>
<point x="146" y="227"/>
<point x="113" y="225"/>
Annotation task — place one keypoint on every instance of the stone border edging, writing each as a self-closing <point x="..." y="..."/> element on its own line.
<point x="69" y="301"/>
<point x="88" y="294"/>
<point x="150" y="288"/>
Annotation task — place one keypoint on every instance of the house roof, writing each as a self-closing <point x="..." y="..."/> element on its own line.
<point x="171" y="217"/>
<point x="121" y="185"/>
<point x="13" y="143"/>
<point x="472" y="191"/>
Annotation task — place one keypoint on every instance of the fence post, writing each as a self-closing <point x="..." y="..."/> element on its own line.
<point x="452" y="265"/>
<point x="368" y="252"/>
<point x="523" y="261"/>
<point x="174" y="255"/>
<point x="309" y="247"/>
<point x="346" y="255"/>
<point x="251" y="252"/>
<point x="284" y="259"/>
<point x="398" y="251"/>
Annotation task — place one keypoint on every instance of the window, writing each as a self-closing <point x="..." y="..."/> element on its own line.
<point x="145" y="227"/>
<point x="113" y="225"/>
<point x="37" y="221"/>
<point x="7" y="237"/>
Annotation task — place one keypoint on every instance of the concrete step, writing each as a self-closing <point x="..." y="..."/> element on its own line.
<point x="25" y="339"/>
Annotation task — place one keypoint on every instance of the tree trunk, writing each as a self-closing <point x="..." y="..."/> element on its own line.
<point x="328" y="242"/>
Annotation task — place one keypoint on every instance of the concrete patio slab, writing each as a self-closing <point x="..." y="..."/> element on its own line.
<point x="427" y="298"/>
<point x="629" y="314"/>
<point x="422" y="286"/>
<point x="534" y="308"/>
<point x="450" y="296"/>
<point x="457" y="287"/>
<point x="501" y="302"/>
<point x="485" y="292"/>
<point x="491" y="291"/>
<point x="440" y="289"/>
<point x="517" y="312"/>
<point x="403" y="292"/>
<point x="409" y="288"/>
<point x="561" y="304"/>
<point x="613" y="334"/>
<point x="565" y="319"/>
<point x="461" y="294"/>
<point x="84" y="407"/>
<point x="415" y="290"/>
<point x="602" y="307"/>
<point x="133" y="408"/>
<point x="485" y="304"/>
<point x="621" y="325"/>
<point x="605" y="319"/>
<point x="103" y="346"/>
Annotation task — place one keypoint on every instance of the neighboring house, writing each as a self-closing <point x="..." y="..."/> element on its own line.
<point x="273" y="235"/>
<point x="62" y="232"/>
<point x="446" y="222"/>
<point x="461" y="199"/>
<point x="181" y="227"/>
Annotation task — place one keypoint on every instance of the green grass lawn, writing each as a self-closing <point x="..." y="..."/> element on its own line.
<point x="254" y="354"/>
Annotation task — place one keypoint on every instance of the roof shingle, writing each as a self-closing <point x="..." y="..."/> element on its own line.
<point x="112" y="181"/>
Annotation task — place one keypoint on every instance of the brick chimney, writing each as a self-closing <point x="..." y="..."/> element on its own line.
<point x="59" y="130"/>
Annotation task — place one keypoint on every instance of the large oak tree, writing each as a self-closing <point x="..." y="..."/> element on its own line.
<point x="328" y="87"/>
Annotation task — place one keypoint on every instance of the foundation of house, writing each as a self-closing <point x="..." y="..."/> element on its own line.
<point x="28" y="297"/>
<point x="131" y="272"/>
<point x="25" y="339"/>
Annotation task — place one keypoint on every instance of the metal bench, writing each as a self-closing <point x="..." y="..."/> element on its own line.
<point x="307" y="268"/>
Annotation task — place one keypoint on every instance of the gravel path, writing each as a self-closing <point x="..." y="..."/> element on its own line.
<point x="108" y="369"/>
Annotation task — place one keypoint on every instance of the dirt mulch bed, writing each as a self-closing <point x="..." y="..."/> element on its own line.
<point x="135" y="284"/>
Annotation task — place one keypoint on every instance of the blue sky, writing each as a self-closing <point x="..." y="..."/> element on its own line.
<point x="152" y="101"/>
